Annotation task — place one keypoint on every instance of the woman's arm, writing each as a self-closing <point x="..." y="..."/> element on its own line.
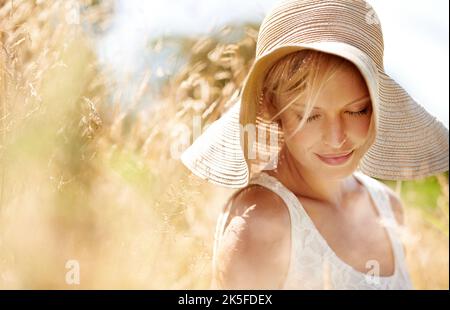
<point x="255" y="247"/>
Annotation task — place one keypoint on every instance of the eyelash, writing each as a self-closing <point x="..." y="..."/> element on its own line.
<point x="359" y="113"/>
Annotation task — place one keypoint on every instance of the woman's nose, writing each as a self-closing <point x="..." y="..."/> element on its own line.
<point x="334" y="134"/>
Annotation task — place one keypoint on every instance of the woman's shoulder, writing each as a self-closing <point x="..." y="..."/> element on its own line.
<point x="257" y="203"/>
<point x="257" y="224"/>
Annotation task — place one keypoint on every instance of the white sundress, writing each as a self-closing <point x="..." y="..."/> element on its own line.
<point x="313" y="264"/>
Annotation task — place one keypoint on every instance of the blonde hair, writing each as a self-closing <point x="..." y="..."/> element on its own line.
<point x="298" y="78"/>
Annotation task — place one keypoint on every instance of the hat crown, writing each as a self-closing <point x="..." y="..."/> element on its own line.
<point x="308" y="21"/>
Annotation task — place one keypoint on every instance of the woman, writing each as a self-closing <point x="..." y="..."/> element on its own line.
<point x="317" y="119"/>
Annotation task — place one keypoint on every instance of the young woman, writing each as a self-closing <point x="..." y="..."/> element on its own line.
<point x="314" y="217"/>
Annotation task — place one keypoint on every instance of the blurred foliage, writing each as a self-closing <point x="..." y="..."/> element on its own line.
<point x="429" y="197"/>
<point x="85" y="178"/>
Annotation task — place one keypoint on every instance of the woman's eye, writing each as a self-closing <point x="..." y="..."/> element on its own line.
<point x="310" y="119"/>
<point x="359" y="113"/>
<point x="317" y="116"/>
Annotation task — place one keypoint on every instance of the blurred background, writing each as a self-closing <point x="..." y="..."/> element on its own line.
<point x="97" y="99"/>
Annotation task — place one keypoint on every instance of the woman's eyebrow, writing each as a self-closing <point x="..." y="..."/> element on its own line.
<point x="365" y="98"/>
<point x="301" y="107"/>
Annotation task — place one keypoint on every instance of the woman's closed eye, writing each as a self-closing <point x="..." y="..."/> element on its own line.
<point x="365" y="111"/>
<point x="359" y="113"/>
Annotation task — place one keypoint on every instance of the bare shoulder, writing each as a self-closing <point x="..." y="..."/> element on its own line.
<point x="254" y="251"/>
<point x="396" y="204"/>
<point x="259" y="206"/>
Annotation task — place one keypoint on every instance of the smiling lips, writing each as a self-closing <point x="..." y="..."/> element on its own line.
<point x="337" y="159"/>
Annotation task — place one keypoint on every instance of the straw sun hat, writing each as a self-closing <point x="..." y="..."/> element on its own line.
<point x="409" y="142"/>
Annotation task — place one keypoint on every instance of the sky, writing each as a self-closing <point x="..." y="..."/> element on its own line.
<point x="416" y="35"/>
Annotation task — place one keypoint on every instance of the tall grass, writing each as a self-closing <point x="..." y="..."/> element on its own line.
<point x="85" y="178"/>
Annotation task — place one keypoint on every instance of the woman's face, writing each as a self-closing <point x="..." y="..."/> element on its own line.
<point x="338" y="125"/>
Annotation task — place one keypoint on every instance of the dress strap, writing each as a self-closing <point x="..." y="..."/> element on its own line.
<point x="298" y="226"/>
<point x="380" y="195"/>
<point x="271" y="183"/>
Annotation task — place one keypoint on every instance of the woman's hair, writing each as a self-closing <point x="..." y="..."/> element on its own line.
<point x="298" y="78"/>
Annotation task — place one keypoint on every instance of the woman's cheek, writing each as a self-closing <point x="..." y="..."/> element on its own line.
<point x="360" y="128"/>
<point x="301" y="141"/>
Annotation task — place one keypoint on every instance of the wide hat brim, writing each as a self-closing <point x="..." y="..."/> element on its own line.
<point x="409" y="142"/>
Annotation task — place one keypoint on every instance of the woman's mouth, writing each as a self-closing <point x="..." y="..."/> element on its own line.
<point x="335" y="160"/>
